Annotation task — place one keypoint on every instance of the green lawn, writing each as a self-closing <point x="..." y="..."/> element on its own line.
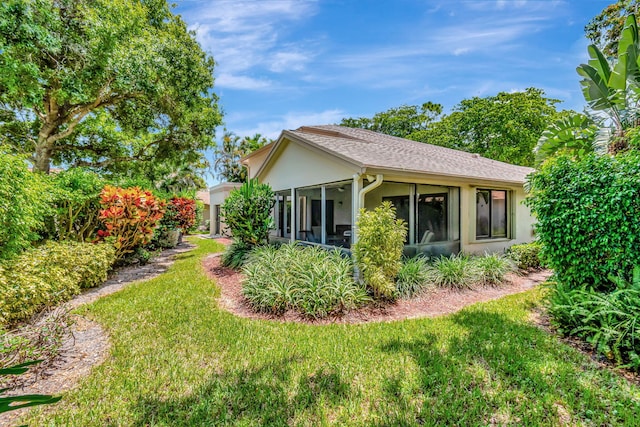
<point x="179" y="360"/>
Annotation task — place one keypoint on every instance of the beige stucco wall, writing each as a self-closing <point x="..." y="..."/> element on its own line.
<point x="296" y="166"/>
<point x="217" y="196"/>
<point x="255" y="161"/>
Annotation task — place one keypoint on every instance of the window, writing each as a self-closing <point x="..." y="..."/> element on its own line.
<point x="491" y="214"/>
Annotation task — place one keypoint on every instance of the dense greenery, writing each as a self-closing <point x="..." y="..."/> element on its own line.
<point x="378" y="251"/>
<point x="229" y="152"/>
<point x="402" y="122"/>
<point x="585" y="212"/>
<point x="50" y="274"/>
<point x="247" y="212"/>
<point x="504" y="127"/>
<point x="526" y="255"/>
<point x="309" y="280"/>
<point x="605" y="28"/>
<point x="413" y="277"/>
<point x="178" y="359"/>
<point x="103" y="83"/>
<point x="24" y="203"/>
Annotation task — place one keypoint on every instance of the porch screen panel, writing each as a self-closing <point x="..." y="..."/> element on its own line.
<point x="433" y="216"/>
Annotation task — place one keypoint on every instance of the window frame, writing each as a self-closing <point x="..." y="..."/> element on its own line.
<point x="507" y="210"/>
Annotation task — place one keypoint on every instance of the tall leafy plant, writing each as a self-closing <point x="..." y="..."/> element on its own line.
<point x="378" y="251"/>
<point x="130" y="216"/>
<point x="247" y="212"/>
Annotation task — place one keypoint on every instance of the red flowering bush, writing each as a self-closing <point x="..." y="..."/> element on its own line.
<point x="130" y="216"/>
<point x="186" y="212"/>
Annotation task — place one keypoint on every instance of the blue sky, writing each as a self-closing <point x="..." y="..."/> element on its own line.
<point x="286" y="63"/>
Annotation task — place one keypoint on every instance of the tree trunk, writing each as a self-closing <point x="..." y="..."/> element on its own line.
<point x="42" y="157"/>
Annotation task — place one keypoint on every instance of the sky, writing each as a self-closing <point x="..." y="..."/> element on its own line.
<point x="282" y="64"/>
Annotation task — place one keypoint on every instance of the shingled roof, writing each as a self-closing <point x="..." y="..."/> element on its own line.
<point x="368" y="149"/>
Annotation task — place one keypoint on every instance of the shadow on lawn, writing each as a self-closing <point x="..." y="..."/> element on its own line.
<point x="502" y="372"/>
<point x="262" y="396"/>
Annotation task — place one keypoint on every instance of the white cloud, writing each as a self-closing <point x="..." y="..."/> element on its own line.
<point x="291" y="120"/>
<point x="285" y="61"/>
<point x="231" y="81"/>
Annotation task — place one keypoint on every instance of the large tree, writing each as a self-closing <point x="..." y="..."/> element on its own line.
<point x="402" y="122"/>
<point x="503" y="127"/>
<point x="229" y="152"/>
<point x="99" y="82"/>
<point x="604" y="29"/>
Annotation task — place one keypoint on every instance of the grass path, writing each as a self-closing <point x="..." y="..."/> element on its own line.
<point x="177" y="360"/>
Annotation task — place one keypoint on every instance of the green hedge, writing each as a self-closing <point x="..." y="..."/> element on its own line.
<point x="526" y="255"/>
<point x="47" y="275"/>
<point x="587" y="214"/>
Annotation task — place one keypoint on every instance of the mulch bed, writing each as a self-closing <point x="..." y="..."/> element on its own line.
<point x="433" y="303"/>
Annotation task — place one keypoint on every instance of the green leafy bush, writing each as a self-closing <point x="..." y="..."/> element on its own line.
<point x="607" y="320"/>
<point x="24" y="203"/>
<point x="378" y="251"/>
<point x="526" y="255"/>
<point x="587" y="214"/>
<point x="76" y="205"/>
<point x="47" y="275"/>
<point x="310" y="280"/>
<point x="247" y="212"/>
<point x="413" y="277"/>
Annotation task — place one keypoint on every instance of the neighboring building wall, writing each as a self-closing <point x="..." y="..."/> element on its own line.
<point x="217" y="196"/>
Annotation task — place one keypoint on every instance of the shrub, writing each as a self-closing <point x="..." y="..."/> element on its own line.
<point x="378" y="251"/>
<point x="310" y="280"/>
<point x="491" y="268"/>
<point x="77" y="205"/>
<point x="47" y="275"/>
<point x="526" y="255"/>
<point x="587" y="214"/>
<point x="185" y="212"/>
<point x="456" y="271"/>
<point x="413" y="277"/>
<point x="130" y="217"/>
<point x="235" y="255"/>
<point x="608" y="321"/>
<point x="247" y="212"/>
<point x="24" y="203"/>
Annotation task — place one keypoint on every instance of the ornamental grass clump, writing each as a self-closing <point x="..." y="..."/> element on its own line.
<point x="378" y="251"/>
<point x="455" y="271"/>
<point x="413" y="277"/>
<point x="491" y="268"/>
<point x="310" y="280"/>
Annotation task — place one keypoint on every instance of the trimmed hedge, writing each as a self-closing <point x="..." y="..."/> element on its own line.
<point x="587" y="215"/>
<point x="50" y="274"/>
<point x="526" y="255"/>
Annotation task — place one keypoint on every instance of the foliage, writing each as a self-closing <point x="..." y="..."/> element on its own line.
<point x="574" y="134"/>
<point x="585" y="211"/>
<point x="605" y="28"/>
<point x="76" y="204"/>
<point x="185" y="209"/>
<point x="181" y="359"/>
<point x="608" y="321"/>
<point x="526" y="255"/>
<point x="229" y="152"/>
<point x="236" y="254"/>
<point x="23" y="204"/>
<point x="310" y="280"/>
<point x="49" y="274"/>
<point x="402" y="122"/>
<point x="612" y="90"/>
<point x="247" y="212"/>
<point x="130" y="216"/>
<point x="456" y="271"/>
<point x="12" y="403"/>
<point x="413" y="277"/>
<point x="103" y="83"/>
<point x="378" y="251"/>
<point x="492" y="268"/>
<point x="503" y="127"/>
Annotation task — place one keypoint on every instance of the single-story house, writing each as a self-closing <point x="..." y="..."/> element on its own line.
<point x="451" y="200"/>
<point x="203" y="196"/>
